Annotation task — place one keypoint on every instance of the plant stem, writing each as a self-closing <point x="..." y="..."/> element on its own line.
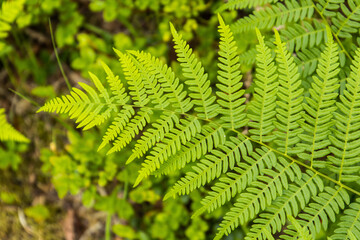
<point x="108" y="226"/>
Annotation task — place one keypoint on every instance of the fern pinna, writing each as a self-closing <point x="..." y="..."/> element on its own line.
<point x="8" y="132"/>
<point x="281" y="155"/>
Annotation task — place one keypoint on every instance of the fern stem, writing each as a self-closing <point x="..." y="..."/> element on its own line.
<point x="57" y="57"/>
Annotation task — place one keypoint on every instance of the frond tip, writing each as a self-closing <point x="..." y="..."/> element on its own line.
<point x="8" y="132"/>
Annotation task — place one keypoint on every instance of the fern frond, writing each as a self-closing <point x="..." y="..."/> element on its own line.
<point x="259" y="195"/>
<point x="9" y="11"/>
<point x="229" y="76"/>
<point x="317" y="214"/>
<point x="235" y="182"/>
<point x="178" y="136"/>
<point x="276" y="15"/>
<point x="211" y="136"/>
<point x="136" y="124"/>
<point x="307" y="60"/>
<point x="349" y="222"/>
<point x="289" y="102"/>
<point x="345" y="16"/>
<point x="345" y="147"/>
<point x="197" y="79"/>
<point x="137" y="88"/>
<point x="248" y="57"/>
<point x="153" y="88"/>
<point x="241" y="4"/>
<point x="153" y="135"/>
<point x="319" y="106"/>
<point x="262" y="107"/>
<point x="116" y="87"/>
<point x="328" y="7"/>
<point x="89" y="109"/>
<point x="294" y="199"/>
<point x="212" y="166"/>
<point x="169" y="83"/>
<point x="304" y="36"/>
<point x="118" y="124"/>
<point x="8" y="132"/>
<point x="304" y="234"/>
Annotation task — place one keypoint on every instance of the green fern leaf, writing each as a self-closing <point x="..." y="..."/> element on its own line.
<point x="344" y="15"/>
<point x="290" y="97"/>
<point x="136" y="124"/>
<point x="178" y="136"/>
<point x="211" y="136"/>
<point x="118" y="124"/>
<point x="349" y="225"/>
<point x="320" y="106"/>
<point x="169" y="83"/>
<point x="153" y="88"/>
<point x="262" y="107"/>
<point x="229" y="76"/>
<point x="134" y="79"/>
<point x="259" y="195"/>
<point x="304" y="36"/>
<point x="89" y="110"/>
<point x="8" y="132"/>
<point x="197" y="79"/>
<point x="241" y="4"/>
<point x="294" y="199"/>
<point x="317" y="214"/>
<point x="345" y="138"/>
<point x="276" y="15"/>
<point x="235" y="182"/>
<point x="212" y="166"/>
<point x="153" y="135"/>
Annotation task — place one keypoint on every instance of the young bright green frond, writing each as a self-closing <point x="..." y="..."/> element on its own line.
<point x="235" y="182"/>
<point x="319" y="107"/>
<point x="118" y="124"/>
<point x="8" y="132"/>
<point x="259" y="195"/>
<point x="9" y="11"/>
<point x="345" y="139"/>
<point x="294" y="199"/>
<point x="211" y="136"/>
<point x="153" y="89"/>
<point x="316" y="215"/>
<point x="262" y="107"/>
<point x="241" y="4"/>
<point x="212" y="166"/>
<point x="133" y="77"/>
<point x="136" y="124"/>
<point x="349" y="222"/>
<point x="116" y="86"/>
<point x="169" y="82"/>
<point x="184" y="131"/>
<point x="276" y="15"/>
<point x="289" y="102"/>
<point x="90" y="108"/>
<point x="229" y="76"/>
<point x="153" y="135"/>
<point x="197" y="79"/>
